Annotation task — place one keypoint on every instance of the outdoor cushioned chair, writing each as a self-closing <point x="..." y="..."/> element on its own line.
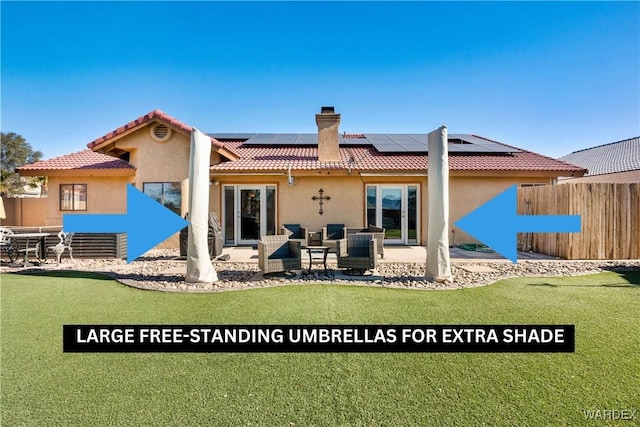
<point x="65" y="243"/>
<point x="357" y="253"/>
<point x="296" y="232"/>
<point x="376" y="232"/>
<point x="331" y="234"/>
<point x="278" y="254"/>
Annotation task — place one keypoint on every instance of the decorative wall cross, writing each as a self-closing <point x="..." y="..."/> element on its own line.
<point x="321" y="199"/>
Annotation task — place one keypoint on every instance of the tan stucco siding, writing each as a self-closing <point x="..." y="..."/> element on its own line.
<point x="295" y="204"/>
<point x="345" y="207"/>
<point x="347" y="192"/>
<point x="166" y="161"/>
<point x="104" y="195"/>
<point x="24" y="211"/>
<point x="468" y="193"/>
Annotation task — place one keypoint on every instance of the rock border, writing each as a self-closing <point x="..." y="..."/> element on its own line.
<point x="166" y="275"/>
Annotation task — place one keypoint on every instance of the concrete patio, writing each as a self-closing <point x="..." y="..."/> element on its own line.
<point x="397" y="254"/>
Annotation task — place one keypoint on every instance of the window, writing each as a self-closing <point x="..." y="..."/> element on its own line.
<point x="371" y="205"/>
<point x="229" y="215"/>
<point x="73" y="197"/>
<point x="167" y="194"/>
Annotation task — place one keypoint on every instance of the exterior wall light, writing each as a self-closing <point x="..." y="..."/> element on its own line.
<point x="290" y="178"/>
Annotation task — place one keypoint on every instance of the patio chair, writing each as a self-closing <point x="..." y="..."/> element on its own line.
<point x="65" y="243"/>
<point x="296" y="232"/>
<point x="376" y="232"/>
<point x="36" y="250"/>
<point x="331" y="234"/>
<point x="357" y="253"/>
<point x="279" y="254"/>
<point x="7" y="244"/>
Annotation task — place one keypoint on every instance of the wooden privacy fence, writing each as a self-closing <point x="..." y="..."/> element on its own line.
<point x="610" y="220"/>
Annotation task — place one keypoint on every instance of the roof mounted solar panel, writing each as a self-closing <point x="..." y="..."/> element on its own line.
<point x="408" y="143"/>
<point x="416" y="142"/>
<point x="261" y="139"/>
<point x="420" y="137"/>
<point x="307" y="139"/>
<point x="383" y="143"/>
<point x="455" y="148"/>
<point x="472" y="148"/>
<point x="481" y="145"/>
<point x="283" y="139"/>
<point x="234" y="136"/>
<point x="399" y="138"/>
<point x="342" y="140"/>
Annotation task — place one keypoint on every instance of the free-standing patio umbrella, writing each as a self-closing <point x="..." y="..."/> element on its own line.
<point x="438" y="264"/>
<point x="199" y="266"/>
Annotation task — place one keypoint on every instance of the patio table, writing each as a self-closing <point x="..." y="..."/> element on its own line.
<point x="318" y="249"/>
<point x="40" y="246"/>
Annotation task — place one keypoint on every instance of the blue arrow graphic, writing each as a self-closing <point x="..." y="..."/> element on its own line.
<point x="146" y="223"/>
<point x="496" y="223"/>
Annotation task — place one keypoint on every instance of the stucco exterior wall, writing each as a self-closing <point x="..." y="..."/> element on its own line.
<point x="104" y="195"/>
<point x="468" y="193"/>
<point x="166" y="161"/>
<point x="347" y="204"/>
<point x="345" y="207"/>
<point x="294" y="204"/>
<point x="24" y="211"/>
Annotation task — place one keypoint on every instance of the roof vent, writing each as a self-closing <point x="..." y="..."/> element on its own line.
<point x="160" y="132"/>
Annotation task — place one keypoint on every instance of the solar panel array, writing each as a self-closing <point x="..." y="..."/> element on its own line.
<point x="384" y="143"/>
<point x="232" y="136"/>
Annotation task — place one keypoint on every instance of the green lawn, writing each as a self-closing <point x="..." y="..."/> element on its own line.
<point x="42" y="386"/>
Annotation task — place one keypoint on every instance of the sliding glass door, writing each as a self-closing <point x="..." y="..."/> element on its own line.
<point x="249" y="212"/>
<point x="392" y="214"/>
<point x="396" y="209"/>
<point x="250" y="217"/>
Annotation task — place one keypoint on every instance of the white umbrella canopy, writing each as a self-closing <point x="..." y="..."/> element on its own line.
<point x="199" y="266"/>
<point x="438" y="263"/>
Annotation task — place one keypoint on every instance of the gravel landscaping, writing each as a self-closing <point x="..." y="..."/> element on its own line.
<point x="162" y="271"/>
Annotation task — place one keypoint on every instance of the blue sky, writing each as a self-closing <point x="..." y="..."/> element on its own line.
<point x="549" y="77"/>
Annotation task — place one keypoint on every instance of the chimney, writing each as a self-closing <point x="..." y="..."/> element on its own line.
<point x="328" y="122"/>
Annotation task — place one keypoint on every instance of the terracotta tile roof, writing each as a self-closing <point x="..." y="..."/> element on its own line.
<point x="147" y="118"/>
<point x="621" y="156"/>
<point x="85" y="159"/>
<point x="367" y="158"/>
